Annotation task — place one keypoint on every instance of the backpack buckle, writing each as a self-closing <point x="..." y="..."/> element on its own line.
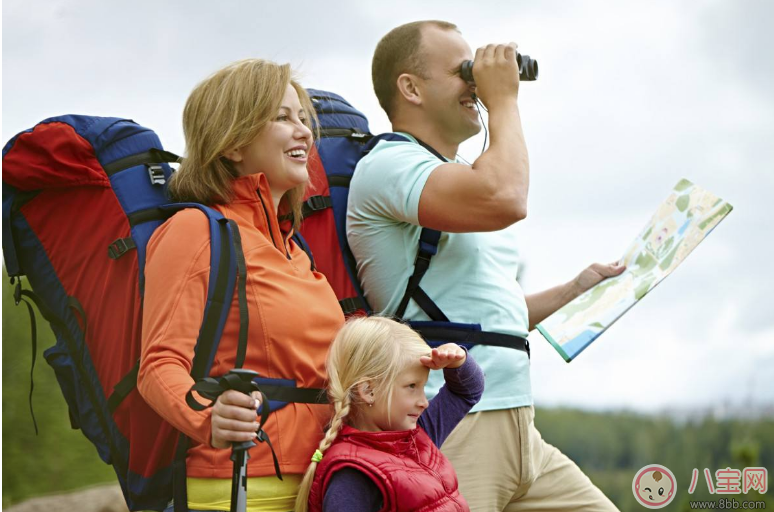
<point x="359" y="136"/>
<point x="119" y="247"/>
<point x="156" y="173"/>
<point x="17" y="292"/>
<point x="317" y="203"/>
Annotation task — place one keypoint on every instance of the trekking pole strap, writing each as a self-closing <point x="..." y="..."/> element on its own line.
<point x="211" y="389"/>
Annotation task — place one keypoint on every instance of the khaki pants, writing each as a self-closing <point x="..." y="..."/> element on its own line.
<point x="503" y="465"/>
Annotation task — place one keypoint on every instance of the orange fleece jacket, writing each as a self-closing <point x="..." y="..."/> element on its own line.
<point x="294" y="316"/>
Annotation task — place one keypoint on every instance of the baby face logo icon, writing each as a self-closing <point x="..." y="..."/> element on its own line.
<point x="654" y="486"/>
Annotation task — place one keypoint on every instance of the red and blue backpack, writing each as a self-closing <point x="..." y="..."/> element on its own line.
<point x="81" y="197"/>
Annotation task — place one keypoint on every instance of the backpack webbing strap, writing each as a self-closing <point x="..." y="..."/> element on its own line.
<point x="295" y="395"/>
<point x="211" y="388"/>
<point x="315" y="204"/>
<point x="428" y="247"/>
<point x="120" y="246"/>
<point x="10" y="258"/>
<point x="337" y="180"/>
<point x="152" y="156"/>
<point x="351" y="304"/>
<point x="34" y="334"/>
<point x="349" y="133"/>
<point x="424" y="301"/>
<point x="244" y="317"/>
<point x="122" y="389"/>
<point x="179" y="481"/>
<point x="470" y="337"/>
<point x="302" y="243"/>
<point x="73" y="303"/>
<point x="148" y="215"/>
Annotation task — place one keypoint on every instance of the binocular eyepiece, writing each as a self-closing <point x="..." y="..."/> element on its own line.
<point x="528" y="69"/>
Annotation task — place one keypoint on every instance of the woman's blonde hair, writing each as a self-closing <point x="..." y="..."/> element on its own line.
<point x="226" y="111"/>
<point x="367" y="349"/>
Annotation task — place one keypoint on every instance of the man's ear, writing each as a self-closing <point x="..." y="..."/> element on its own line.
<point x="235" y="155"/>
<point x="408" y="87"/>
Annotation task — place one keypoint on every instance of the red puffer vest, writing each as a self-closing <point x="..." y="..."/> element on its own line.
<point x="406" y="466"/>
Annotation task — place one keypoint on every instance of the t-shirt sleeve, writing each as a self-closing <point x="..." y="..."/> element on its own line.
<point x="349" y="490"/>
<point x="389" y="182"/>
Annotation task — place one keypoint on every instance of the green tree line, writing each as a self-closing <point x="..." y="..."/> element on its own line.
<point x="609" y="446"/>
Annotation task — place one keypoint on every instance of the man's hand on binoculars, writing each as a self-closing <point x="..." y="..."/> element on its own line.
<point x="497" y="74"/>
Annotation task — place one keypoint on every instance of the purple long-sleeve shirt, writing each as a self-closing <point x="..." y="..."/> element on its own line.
<point x="352" y="491"/>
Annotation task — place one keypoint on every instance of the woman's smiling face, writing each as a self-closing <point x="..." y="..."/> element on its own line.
<point x="281" y="150"/>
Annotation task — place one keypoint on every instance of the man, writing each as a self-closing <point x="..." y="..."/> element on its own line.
<point x="401" y="187"/>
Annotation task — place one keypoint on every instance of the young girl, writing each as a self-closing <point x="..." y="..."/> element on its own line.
<point x="381" y="449"/>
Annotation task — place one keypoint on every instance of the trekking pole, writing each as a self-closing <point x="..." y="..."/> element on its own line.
<point x="240" y="380"/>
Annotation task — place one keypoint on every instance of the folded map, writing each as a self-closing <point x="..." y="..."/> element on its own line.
<point x="687" y="216"/>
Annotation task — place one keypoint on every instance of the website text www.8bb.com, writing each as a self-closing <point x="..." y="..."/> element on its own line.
<point x="727" y="504"/>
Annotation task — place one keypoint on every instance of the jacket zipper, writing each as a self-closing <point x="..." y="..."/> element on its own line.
<point x="268" y="222"/>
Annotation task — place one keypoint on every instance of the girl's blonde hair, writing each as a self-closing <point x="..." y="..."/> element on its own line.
<point x="367" y="349"/>
<point x="226" y="111"/>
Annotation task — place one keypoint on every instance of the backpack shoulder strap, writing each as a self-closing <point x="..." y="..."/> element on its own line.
<point x="226" y="264"/>
<point x="428" y="247"/>
<point x="227" y="270"/>
<point x="301" y="242"/>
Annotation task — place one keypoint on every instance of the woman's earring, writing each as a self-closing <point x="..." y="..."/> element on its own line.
<point x="370" y="404"/>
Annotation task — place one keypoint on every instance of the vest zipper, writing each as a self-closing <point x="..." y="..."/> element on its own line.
<point x="268" y="222"/>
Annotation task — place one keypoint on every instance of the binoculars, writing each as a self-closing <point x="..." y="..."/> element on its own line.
<point x="528" y="69"/>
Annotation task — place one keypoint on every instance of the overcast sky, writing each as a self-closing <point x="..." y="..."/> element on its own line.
<point x="632" y="97"/>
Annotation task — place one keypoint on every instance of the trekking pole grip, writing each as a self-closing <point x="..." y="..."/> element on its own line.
<point x="241" y="380"/>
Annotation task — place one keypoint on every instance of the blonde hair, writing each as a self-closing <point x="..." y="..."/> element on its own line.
<point x="398" y="52"/>
<point x="367" y="349"/>
<point x="228" y="110"/>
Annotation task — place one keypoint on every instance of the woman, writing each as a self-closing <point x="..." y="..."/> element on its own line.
<point x="247" y="130"/>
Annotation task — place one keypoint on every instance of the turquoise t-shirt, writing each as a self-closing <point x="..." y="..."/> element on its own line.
<point x="472" y="278"/>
